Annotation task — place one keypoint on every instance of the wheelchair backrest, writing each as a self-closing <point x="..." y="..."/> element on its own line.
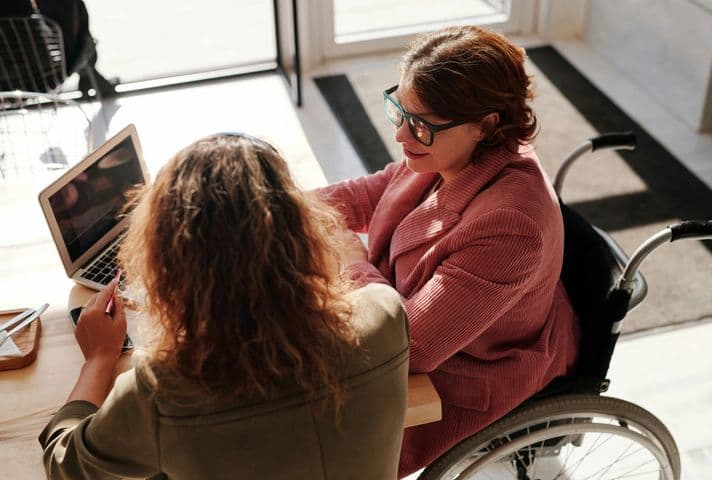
<point x="589" y="273"/>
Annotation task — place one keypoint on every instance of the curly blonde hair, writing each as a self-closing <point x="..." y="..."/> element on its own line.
<point x="240" y="270"/>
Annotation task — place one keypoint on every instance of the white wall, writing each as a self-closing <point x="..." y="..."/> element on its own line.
<point x="561" y="18"/>
<point x="664" y="46"/>
<point x="317" y="45"/>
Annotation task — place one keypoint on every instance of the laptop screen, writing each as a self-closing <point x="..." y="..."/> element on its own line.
<point x="89" y="205"/>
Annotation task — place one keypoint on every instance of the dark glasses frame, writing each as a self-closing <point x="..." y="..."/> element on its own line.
<point x="412" y="118"/>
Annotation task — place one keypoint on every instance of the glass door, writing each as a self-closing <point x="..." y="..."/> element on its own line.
<point x="140" y="40"/>
<point x="288" y="58"/>
<point x="364" y="26"/>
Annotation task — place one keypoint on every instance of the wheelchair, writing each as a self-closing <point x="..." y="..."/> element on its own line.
<point x="568" y="431"/>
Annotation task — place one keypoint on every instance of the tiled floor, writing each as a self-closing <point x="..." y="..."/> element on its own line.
<point x="692" y="148"/>
<point x="667" y="372"/>
<point x="670" y="374"/>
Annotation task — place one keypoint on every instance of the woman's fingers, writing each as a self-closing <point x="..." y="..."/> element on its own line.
<point x="90" y="302"/>
<point x="99" y="335"/>
<point x="100" y="300"/>
<point x="119" y="313"/>
<point x="104" y="295"/>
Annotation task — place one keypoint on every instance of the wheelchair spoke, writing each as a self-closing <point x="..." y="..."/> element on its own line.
<point x="567" y="439"/>
<point x="566" y="462"/>
<point x="536" y="463"/>
<point x="536" y="460"/>
<point x="594" y="446"/>
<point x="599" y="473"/>
<point x="608" y="467"/>
<point x="573" y="460"/>
<point x="638" y="473"/>
<point x="524" y="463"/>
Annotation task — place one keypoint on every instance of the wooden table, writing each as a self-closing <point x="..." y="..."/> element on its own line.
<point x="31" y="274"/>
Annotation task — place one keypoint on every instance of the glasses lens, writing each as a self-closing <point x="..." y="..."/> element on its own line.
<point x="394" y="114"/>
<point x="420" y="131"/>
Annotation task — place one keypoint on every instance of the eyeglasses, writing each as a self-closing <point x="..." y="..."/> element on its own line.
<point x="422" y="130"/>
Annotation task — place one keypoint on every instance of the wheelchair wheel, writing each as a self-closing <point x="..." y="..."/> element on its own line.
<point x="568" y="437"/>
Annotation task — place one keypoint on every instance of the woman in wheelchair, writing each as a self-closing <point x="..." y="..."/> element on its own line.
<point x="468" y="229"/>
<point x="262" y="363"/>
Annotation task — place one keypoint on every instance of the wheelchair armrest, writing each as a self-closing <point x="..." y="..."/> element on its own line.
<point x="611" y="140"/>
<point x="639" y="284"/>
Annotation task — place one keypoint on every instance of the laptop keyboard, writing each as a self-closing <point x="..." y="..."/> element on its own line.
<point x="103" y="269"/>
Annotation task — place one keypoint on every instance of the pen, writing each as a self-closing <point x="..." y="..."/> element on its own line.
<point x="110" y="305"/>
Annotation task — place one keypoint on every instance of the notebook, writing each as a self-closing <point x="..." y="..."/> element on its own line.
<point x="83" y="208"/>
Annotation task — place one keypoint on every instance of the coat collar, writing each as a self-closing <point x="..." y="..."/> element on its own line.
<point x="443" y="209"/>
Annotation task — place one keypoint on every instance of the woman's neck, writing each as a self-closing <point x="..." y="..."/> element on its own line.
<point x="434" y="188"/>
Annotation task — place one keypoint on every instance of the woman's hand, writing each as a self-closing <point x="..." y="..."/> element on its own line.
<point x="99" y="335"/>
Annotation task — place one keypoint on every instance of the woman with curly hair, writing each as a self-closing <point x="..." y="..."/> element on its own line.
<point x="468" y="229"/>
<point x="262" y="362"/>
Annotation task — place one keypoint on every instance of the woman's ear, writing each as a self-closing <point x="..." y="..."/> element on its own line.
<point x="488" y="125"/>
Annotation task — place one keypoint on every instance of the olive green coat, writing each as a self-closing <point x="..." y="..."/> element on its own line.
<point x="156" y="425"/>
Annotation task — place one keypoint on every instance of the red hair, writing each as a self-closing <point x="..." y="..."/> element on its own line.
<point x="240" y="271"/>
<point x="464" y="73"/>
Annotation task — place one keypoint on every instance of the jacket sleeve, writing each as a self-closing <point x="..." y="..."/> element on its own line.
<point x="473" y="287"/>
<point x="364" y="273"/>
<point x="356" y="199"/>
<point x="115" y="441"/>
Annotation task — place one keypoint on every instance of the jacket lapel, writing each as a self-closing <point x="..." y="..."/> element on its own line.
<point x="427" y="221"/>
<point x="399" y="200"/>
<point x="442" y="210"/>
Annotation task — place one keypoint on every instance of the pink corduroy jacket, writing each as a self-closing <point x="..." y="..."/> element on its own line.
<point x="477" y="264"/>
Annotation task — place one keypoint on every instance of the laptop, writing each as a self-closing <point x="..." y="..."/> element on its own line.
<point x="83" y="208"/>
